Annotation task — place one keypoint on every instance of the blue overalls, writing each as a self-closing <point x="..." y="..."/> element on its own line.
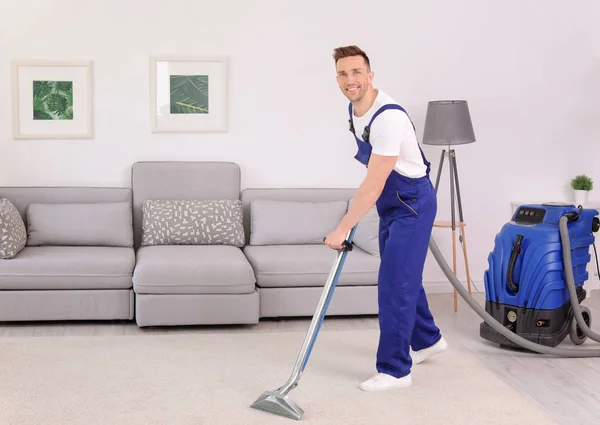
<point x="407" y="208"/>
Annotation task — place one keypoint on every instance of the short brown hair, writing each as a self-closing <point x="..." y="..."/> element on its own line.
<point x="346" y="51"/>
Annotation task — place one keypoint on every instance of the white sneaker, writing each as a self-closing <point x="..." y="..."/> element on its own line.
<point x="383" y="381"/>
<point x="425" y="353"/>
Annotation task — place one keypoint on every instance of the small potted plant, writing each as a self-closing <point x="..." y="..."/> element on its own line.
<point x="582" y="185"/>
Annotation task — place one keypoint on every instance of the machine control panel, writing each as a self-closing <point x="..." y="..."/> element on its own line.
<point x="530" y="215"/>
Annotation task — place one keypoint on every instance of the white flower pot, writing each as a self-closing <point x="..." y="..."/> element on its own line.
<point x="581" y="197"/>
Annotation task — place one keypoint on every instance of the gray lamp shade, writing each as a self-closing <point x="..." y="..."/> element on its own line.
<point x="448" y="122"/>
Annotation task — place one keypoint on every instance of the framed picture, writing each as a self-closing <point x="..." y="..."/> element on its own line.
<point x="188" y="94"/>
<point x="52" y="99"/>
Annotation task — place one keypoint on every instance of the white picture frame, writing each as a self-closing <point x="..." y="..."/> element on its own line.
<point x="188" y="94"/>
<point x="52" y="99"/>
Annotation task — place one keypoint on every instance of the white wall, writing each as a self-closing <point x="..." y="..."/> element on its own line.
<point x="529" y="70"/>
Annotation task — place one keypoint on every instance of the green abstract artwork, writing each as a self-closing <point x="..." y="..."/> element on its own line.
<point x="52" y="100"/>
<point x="189" y="94"/>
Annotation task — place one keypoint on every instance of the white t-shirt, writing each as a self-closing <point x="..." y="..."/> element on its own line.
<point x="392" y="134"/>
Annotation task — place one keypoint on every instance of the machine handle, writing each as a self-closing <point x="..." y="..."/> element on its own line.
<point x="516" y="251"/>
<point x="347" y="245"/>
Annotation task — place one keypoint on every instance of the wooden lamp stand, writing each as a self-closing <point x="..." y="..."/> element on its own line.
<point x="453" y="224"/>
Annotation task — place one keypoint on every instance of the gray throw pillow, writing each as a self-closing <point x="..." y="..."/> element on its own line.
<point x="366" y="236"/>
<point x="13" y="233"/>
<point x="192" y="222"/>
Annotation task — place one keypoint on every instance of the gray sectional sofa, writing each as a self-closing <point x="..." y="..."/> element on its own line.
<point x="184" y="245"/>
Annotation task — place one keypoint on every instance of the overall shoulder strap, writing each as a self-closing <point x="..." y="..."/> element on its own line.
<point x="350" y="121"/>
<point x="379" y="111"/>
<point x="385" y="108"/>
<point x="395" y="106"/>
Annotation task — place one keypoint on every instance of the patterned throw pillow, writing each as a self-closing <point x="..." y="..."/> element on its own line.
<point x="13" y="234"/>
<point x="192" y="222"/>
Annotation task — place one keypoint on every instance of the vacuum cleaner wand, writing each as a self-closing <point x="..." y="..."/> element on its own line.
<point x="277" y="401"/>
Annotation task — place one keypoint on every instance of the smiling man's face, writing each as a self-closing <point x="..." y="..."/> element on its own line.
<point x="354" y="77"/>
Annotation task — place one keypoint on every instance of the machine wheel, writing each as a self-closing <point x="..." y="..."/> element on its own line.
<point x="576" y="334"/>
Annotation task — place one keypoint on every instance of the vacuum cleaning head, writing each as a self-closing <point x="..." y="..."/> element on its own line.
<point x="277" y="403"/>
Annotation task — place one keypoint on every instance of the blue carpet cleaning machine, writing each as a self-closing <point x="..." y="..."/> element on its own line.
<point x="533" y="289"/>
<point x="528" y="287"/>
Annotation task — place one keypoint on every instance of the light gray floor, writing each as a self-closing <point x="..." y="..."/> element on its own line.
<point x="568" y="388"/>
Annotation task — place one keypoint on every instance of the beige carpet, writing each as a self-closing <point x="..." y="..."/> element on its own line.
<point x="212" y="378"/>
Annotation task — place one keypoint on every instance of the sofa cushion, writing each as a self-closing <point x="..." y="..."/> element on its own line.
<point x="366" y="236"/>
<point x="192" y="222"/>
<point x="309" y="265"/>
<point x="192" y="269"/>
<point x="68" y="267"/>
<point x="13" y="234"/>
<point x="80" y="224"/>
<point x="294" y="222"/>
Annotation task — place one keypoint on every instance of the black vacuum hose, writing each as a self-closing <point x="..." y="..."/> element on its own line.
<point x="529" y="345"/>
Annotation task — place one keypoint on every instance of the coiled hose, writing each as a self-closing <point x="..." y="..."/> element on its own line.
<point x="529" y="345"/>
<point x="564" y="237"/>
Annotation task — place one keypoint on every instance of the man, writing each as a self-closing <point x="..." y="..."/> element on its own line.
<point x="398" y="183"/>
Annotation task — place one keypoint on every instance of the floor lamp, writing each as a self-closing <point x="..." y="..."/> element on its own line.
<point x="448" y="123"/>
